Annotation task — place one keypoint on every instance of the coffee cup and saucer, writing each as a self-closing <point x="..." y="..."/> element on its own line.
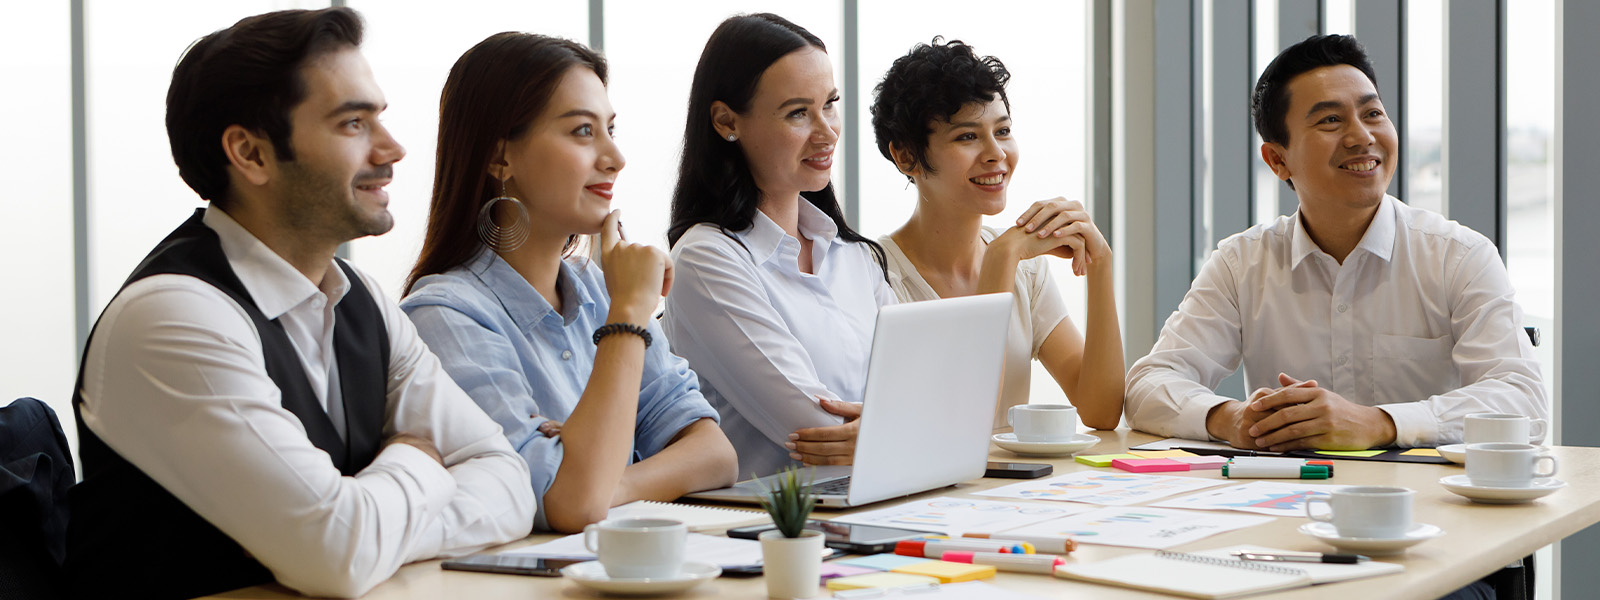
<point x="1483" y="428"/>
<point x="1367" y="519"/>
<point x="639" y="557"/>
<point x="1043" y="430"/>
<point x="1504" y="473"/>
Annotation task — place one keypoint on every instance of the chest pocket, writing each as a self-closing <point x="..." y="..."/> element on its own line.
<point x="1407" y="369"/>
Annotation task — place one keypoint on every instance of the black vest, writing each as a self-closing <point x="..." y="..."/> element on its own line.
<point x="128" y="536"/>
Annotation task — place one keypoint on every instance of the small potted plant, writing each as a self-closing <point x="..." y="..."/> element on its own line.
<point x="791" y="555"/>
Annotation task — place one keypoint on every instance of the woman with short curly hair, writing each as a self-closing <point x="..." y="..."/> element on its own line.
<point x="941" y="115"/>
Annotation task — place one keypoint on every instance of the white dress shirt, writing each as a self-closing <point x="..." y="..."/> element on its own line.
<point x="768" y="339"/>
<point x="1038" y="310"/>
<point x="195" y="410"/>
<point x="1419" y="321"/>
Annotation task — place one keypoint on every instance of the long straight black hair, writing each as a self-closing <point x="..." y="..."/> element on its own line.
<point x="714" y="181"/>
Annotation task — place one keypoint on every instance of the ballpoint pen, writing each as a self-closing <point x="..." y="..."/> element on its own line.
<point x="1314" y="557"/>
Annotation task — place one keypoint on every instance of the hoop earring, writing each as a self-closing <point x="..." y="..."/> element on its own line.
<point x="496" y="237"/>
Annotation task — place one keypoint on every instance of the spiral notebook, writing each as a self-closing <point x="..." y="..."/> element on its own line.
<point x="698" y="518"/>
<point x="1216" y="573"/>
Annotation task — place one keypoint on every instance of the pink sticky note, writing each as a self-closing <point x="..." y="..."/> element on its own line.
<point x="1149" y="465"/>
<point x="1202" y="462"/>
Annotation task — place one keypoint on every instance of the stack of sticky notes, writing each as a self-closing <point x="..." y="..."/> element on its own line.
<point x="890" y="570"/>
<point x="1149" y="465"/>
<point x="1101" y="460"/>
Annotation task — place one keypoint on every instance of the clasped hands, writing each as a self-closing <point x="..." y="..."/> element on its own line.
<point x="1300" y="415"/>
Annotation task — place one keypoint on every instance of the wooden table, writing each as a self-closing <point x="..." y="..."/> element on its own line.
<point x="1479" y="539"/>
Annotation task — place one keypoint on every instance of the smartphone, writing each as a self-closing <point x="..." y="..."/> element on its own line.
<point x="1011" y="470"/>
<point x="856" y="539"/>
<point x="511" y="565"/>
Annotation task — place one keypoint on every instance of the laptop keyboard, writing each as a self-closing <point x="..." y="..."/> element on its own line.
<point x="834" y="487"/>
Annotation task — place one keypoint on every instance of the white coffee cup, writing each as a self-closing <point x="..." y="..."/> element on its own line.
<point x="1366" y="511"/>
<point x="1043" y="422"/>
<point x="638" y="548"/>
<point x="1505" y="464"/>
<point x="1483" y="428"/>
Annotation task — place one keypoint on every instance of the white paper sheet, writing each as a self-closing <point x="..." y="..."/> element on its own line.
<point x="955" y="516"/>
<point x="1276" y="498"/>
<point x="1170" y="443"/>
<point x="721" y="551"/>
<point x="1140" y="526"/>
<point x="1111" y="488"/>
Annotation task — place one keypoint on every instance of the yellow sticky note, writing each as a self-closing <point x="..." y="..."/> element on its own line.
<point x="1100" y="460"/>
<point x="1360" y="453"/>
<point x="1420" y="452"/>
<point x="948" y="572"/>
<point x="878" y="580"/>
<point x="1161" y="453"/>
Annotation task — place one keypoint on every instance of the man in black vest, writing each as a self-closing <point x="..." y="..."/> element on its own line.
<point x="250" y="407"/>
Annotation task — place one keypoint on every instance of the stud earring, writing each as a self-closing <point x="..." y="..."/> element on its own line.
<point x="732" y="137"/>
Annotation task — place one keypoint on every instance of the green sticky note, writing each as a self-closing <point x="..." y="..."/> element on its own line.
<point x="1100" y="460"/>
<point x="1358" y="453"/>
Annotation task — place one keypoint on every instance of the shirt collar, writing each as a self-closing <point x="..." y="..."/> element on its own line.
<point x="275" y="285"/>
<point x="522" y="303"/>
<point x="1377" y="241"/>
<point x="764" y="236"/>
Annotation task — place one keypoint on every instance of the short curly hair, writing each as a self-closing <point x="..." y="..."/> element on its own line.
<point x="932" y="83"/>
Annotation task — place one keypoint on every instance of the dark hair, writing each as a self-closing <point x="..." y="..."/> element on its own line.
<point x="247" y="75"/>
<point x="494" y="93"/>
<point x="1270" y="101"/>
<point x="714" y="180"/>
<point x="932" y="83"/>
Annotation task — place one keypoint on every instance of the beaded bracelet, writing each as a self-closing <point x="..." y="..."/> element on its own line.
<point x="611" y="328"/>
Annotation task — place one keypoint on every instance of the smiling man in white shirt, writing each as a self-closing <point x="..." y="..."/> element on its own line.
<point x="1361" y="322"/>
<point x="251" y="408"/>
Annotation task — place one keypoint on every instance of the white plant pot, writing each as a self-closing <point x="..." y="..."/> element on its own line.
<point x="792" y="566"/>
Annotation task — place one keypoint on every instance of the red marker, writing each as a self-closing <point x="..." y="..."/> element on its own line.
<point x="1021" y="563"/>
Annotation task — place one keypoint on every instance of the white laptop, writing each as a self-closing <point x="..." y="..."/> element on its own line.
<point x="932" y="384"/>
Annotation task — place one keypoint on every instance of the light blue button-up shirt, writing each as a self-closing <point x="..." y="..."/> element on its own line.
<point x="525" y="363"/>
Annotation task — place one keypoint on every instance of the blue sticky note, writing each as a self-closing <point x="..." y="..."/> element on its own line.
<point x="881" y="562"/>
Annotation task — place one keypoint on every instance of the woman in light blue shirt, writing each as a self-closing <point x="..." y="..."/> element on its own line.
<point x="776" y="295"/>
<point x="581" y="381"/>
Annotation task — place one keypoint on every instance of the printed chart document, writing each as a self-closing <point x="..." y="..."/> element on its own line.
<point x="1111" y="488"/>
<point x="1276" y="498"/>
<point x="1215" y="573"/>
<point x="955" y="516"/>
<point x="1140" y="526"/>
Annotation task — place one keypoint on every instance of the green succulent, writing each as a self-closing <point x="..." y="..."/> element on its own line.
<point x="790" y="500"/>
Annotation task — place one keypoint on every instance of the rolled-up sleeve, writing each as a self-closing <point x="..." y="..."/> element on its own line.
<point x="1170" y="390"/>
<point x="669" y="397"/>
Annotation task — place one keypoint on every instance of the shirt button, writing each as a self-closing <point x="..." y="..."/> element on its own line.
<point x="1343" y="360"/>
<point x="566" y="355"/>
<point x="1343" y="308"/>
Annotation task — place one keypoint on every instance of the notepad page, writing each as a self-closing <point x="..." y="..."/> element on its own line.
<point x="1319" y="572"/>
<point x="1171" y="574"/>
<point x="697" y="518"/>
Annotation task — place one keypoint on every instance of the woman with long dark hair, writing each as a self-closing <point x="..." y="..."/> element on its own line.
<point x="580" y="379"/>
<point x="941" y="115"/>
<point x="777" y="295"/>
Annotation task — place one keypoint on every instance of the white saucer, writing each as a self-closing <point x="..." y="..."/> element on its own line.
<point x="1078" y="441"/>
<point x="1456" y="453"/>
<point x="1462" y="485"/>
<point x="1420" y="532"/>
<point x="591" y="575"/>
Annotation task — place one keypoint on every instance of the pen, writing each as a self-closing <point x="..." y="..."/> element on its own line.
<point x="1237" y="471"/>
<point x="1315" y="557"/>
<point x="937" y="548"/>
<point x="1052" y="544"/>
<point x="1021" y="563"/>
